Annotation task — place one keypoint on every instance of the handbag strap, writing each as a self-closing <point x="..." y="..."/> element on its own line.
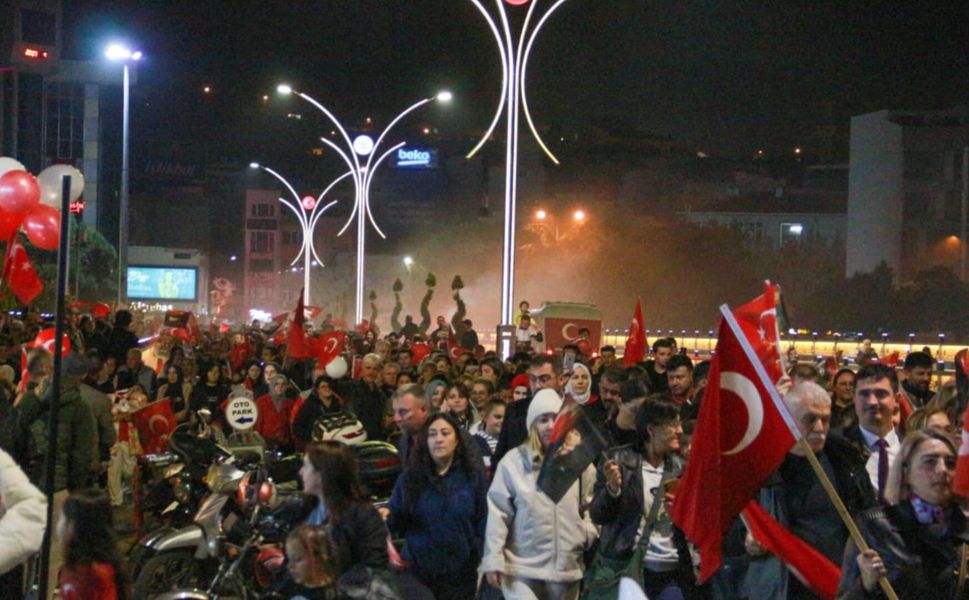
<point x="657" y="502"/>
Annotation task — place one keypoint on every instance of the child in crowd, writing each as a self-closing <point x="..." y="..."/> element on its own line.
<point x="92" y="568"/>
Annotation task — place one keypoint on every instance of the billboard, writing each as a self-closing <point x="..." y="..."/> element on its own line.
<point x="415" y="158"/>
<point x="163" y="283"/>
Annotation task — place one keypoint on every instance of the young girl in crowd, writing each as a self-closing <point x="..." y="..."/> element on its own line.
<point x="311" y="563"/>
<point x="533" y="546"/>
<point x="92" y="569"/>
<point x="457" y="404"/>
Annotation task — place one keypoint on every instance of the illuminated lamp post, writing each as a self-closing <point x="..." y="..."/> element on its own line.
<point x="119" y="53"/>
<point x="546" y="227"/>
<point x="514" y="64"/>
<point x="308" y="211"/>
<point x="362" y="173"/>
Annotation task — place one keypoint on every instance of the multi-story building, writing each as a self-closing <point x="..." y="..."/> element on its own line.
<point x="906" y="190"/>
<point x="52" y="110"/>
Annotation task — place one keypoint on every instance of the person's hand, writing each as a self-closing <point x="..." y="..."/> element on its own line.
<point x="494" y="579"/>
<point x="613" y="476"/>
<point x="384" y="512"/>
<point x="872" y="569"/>
<point x="753" y="547"/>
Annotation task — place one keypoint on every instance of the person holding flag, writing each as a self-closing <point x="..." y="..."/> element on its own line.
<point x="534" y="546"/>
<point x="629" y="505"/>
<point x="918" y="540"/>
<point x="795" y="498"/>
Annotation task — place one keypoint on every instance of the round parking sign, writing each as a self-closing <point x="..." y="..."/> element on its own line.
<point x="241" y="413"/>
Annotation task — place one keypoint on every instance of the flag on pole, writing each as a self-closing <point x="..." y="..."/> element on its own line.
<point x="807" y="564"/>
<point x="298" y="347"/>
<point x="742" y="434"/>
<point x="574" y="443"/>
<point x="635" y="351"/>
<point x="19" y="273"/>
<point x="330" y="345"/>
<point x="758" y="320"/>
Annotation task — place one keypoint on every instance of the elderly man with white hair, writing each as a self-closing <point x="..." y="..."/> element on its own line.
<point x="795" y="497"/>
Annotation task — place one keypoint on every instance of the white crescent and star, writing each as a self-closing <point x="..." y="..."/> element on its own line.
<point x="565" y="332"/>
<point x="165" y="424"/>
<point x="745" y="389"/>
<point x="331" y="347"/>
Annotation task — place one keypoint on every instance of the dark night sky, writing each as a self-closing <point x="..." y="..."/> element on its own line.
<point x="725" y="76"/>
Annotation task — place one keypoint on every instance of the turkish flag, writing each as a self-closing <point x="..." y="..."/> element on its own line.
<point x="19" y="272"/>
<point x="635" y="351"/>
<point x="155" y="422"/>
<point x="891" y="360"/>
<point x="742" y="435"/>
<point x="758" y="320"/>
<point x="807" y="564"/>
<point x="298" y="347"/>
<point x="330" y="345"/>
<point x="239" y="354"/>
<point x="418" y="351"/>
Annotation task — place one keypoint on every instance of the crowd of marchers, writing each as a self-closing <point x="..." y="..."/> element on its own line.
<point x="472" y="429"/>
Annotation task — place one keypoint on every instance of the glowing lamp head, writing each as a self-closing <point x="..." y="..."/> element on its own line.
<point x="136" y="55"/>
<point x="444" y="96"/>
<point x="253" y="165"/>
<point x="309" y="202"/>
<point x="517" y="2"/>
<point x="119" y="52"/>
<point x="284" y="89"/>
<point x="408" y="261"/>
<point x="363" y="145"/>
<point x="540" y="214"/>
<point x="579" y="215"/>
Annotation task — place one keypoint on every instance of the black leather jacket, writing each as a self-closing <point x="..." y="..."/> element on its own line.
<point x="922" y="560"/>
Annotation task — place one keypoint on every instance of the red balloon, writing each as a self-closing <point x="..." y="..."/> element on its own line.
<point x="19" y="191"/>
<point x="45" y="340"/>
<point x="43" y="227"/>
<point x="9" y="224"/>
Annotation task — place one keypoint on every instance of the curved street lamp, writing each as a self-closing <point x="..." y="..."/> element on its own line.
<point x="308" y="214"/>
<point x="514" y="65"/>
<point x="362" y="157"/>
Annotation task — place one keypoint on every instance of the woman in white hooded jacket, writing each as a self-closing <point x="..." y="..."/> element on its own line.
<point x="533" y="547"/>
<point x="23" y="515"/>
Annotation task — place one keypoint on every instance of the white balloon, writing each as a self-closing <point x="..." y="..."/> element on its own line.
<point x="337" y="367"/>
<point x="50" y="184"/>
<point x="10" y="164"/>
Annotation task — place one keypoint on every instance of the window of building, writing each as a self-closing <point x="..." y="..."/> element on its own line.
<point x="791" y="233"/>
<point x="262" y="242"/>
<point x="65" y="121"/>
<point x="262" y="209"/>
<point x="292" y="238"/>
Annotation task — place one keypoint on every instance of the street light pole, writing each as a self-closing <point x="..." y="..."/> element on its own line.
<point x="514" y="64"/>
<point x="362" y="174"/>
<point x="116" y="52"/>
<point x="307" y="216"/>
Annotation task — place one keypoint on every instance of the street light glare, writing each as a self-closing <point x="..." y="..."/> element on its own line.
<point x="253" y="165"/>
<point x="284" y="89"/>
<point x="363" y="145"/>
<point x="445" y="96"/>
<point x="408" y="261"/>
<point x="540" y="214"/>
<point x="579" y="215"/>
<point x="119" y="52"/>
<point x="136" y="55"/>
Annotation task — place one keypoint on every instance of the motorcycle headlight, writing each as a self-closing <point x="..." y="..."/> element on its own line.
<point x="183" y="491"/>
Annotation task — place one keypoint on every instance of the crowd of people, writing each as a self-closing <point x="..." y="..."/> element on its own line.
<point x="473" y="430"/>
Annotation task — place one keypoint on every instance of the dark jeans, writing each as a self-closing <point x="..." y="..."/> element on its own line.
<point x="460" y="585"/>
<point x="662" y="586"/>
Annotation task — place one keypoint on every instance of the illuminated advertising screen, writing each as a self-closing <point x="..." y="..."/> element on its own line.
<point x="415" y="158"/>
<point x="162" y="283"/>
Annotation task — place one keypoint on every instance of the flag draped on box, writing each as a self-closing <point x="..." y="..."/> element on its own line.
<point x="635" y="351"/>
<point x="741" y="437"/>
<point x="19" y="273"/>
<point x="807" y="564"/>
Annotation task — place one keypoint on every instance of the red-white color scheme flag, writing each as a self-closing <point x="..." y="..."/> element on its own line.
<point x="743" y="432"/>
<point x="758" y="320"/>
<point x="19" y="273"/>
<point x="636" y="342"/>
<point x="330" y="346"/>
<point x="807" y="564"/>
<point x="155" y="423"/>
<point x="961" y="484"/>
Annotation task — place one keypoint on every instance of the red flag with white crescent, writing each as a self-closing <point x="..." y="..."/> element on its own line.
<point x="758" y="320"/>
<point x="742" y="434"/>
<point x="635" y="351"/>
<point x="19" y="273"/>
<point x="807" y="564"/>
<point x="155" y="422"/>
<point x="330" y="346"/>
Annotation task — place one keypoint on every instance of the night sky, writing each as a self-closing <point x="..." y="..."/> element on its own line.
<point x="725" y="77"/>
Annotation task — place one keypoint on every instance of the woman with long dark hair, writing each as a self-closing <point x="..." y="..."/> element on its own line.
<point x="458" y="404"/>
<point x="323" y="400"/>
<point x="177" y="390"/>
<point x="329" y="472"/>
<point x="439" y="506"/>
<point x="92" y="568"/>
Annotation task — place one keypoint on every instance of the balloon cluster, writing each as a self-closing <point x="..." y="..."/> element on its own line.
<point x="33" y="203"/>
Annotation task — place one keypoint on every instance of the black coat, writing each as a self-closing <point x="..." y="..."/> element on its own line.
<point x="513" y="430"/>
<point x="921" y="560"/>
